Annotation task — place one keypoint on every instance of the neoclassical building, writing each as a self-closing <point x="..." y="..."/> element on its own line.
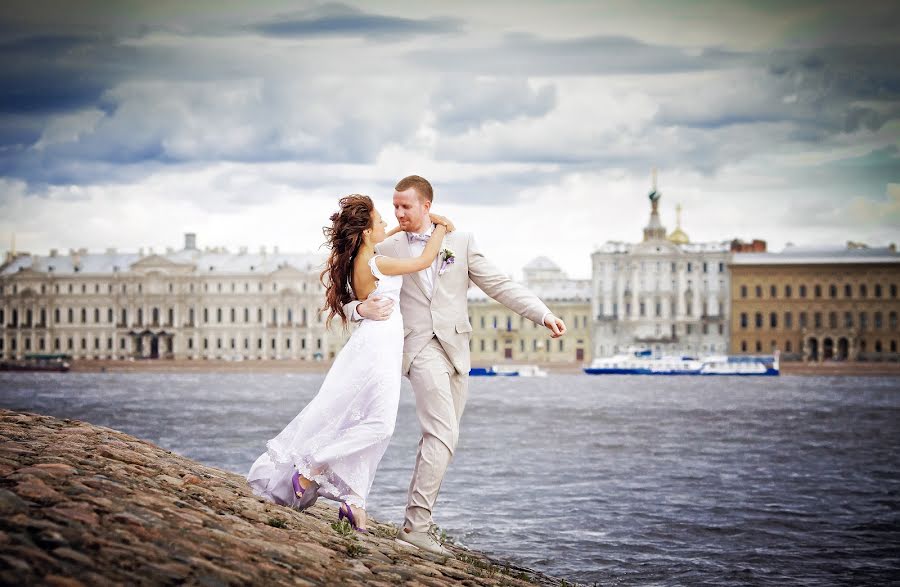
<point x="817" y="304"/>
<point x="500" y="335"/>
<point x="186" y="304"/>
<point x="664" y="293"/>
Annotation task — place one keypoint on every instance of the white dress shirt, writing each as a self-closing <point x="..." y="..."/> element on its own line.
<point x="416" y="248"/>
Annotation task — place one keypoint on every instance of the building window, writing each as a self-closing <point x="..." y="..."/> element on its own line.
<point x="877" y="346"/>
<point x="817" y="319"/>
<point x="689" y="267"/>
<point x="124" y="317"/>
<point x="561" y="345"/>
<point x="219" y="315"/>
<point x="848" y="290"/>
<point x="848" y="319"/>
<point x="863" y="292"/>
<point x="893" y="346"/>
<point x="643" y="309"/>
<point x="233" y="343"/>
<point x="55" y="316"/>
<point x="84" y="315"/>
<point x="787" y="291"/>
<point x="802" y="291"/>
<point x="481" y="346"/>
<point x="877" y="290"/>
<point x="259" y="344"/>
<point x="759" y="319"/>
<point x="259" y="317"/>
<point x="879" y="324"/>
<point x="219" y="343"/>
<point x="495" y="345"/>
<point x="818" y="291"/>
<point x="109" y="315"/>
<point x="743" y="291"/>
<point x="788" y="320"/>
<point x="759" y="291"/>
<point x="744" y="320"/>
<point x="206" y="315"/>
<point x="893" y="290"/>
<point x="721" y="267"/>
<point x="494" y="322"/>
<point x="863" y="320"/>
<point x="832" y="290"/>
<point x="233" y="314"/>
<point x="705" y="269"/>
<point x="773" y="291"/>
<point x="773" y="320"/>
<point x="743" y="346"/>
<point x="787" y="346"/>
<point x="290" y="316"/>
<point x="832" y="320"/>
<point x="96" y="315"/>
<point x="892" y="320"/>
<point x="205" y="343"/>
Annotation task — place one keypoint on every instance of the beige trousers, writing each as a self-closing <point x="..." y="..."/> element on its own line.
<point x="440" y="399"/>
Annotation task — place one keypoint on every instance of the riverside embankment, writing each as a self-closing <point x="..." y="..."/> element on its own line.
<point x="88" y="505"/>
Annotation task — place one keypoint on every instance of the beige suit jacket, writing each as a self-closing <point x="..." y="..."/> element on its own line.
<point x="445" y="314"/>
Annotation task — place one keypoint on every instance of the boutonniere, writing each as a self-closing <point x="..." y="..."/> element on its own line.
<point x="447" y="258"/>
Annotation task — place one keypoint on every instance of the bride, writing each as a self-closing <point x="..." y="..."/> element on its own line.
<point x="333" y="446"/>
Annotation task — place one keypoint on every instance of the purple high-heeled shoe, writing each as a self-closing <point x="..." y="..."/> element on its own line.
<point x="351" y="519"/>
<point x="305" y="497"/>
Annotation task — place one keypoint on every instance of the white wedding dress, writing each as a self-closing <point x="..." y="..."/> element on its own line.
<point x="340" y="436"/>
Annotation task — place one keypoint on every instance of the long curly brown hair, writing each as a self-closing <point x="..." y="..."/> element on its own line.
<point x="344" y="238"/>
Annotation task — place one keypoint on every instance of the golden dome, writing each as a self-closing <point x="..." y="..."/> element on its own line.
<point x="678" y="236"/>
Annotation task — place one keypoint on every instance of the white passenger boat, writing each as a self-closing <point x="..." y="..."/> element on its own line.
<point x="643" y="362"/>
<point x="508" y="371"/>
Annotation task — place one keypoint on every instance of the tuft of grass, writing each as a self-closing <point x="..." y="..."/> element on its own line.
<point x="276" y="523"/>
<point x="355" y="550"/>
<point x="343" y="528"/>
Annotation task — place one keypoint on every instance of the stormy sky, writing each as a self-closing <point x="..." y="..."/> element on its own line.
<point x="126" y="124"/>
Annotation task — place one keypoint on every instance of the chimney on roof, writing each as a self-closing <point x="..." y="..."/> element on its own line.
<point x="190" y="241"/>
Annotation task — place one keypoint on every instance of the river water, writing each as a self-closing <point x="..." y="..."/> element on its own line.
<point x="618" y="480"/>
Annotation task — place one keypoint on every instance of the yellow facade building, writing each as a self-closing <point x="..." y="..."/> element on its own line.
<point x="817" y="304"/>
<point x="502" y="336"/>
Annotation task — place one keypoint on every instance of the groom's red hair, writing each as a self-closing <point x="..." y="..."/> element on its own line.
<point x="420" y="183"/>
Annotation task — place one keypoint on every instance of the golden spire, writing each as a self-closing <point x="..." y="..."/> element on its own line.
<point x="678" y="236"/>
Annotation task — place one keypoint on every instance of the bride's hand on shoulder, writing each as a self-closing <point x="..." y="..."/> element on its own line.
<point x="442" y="221"/>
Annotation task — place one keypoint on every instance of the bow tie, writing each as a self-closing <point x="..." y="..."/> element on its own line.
<point x="422" y="238"/>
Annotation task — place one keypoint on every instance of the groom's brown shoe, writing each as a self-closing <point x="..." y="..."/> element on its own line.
<point x="422" y="540"/>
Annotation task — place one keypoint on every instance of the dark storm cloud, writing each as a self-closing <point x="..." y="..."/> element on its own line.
<point x="44" y="74"/>
<point x="338" y="20"/>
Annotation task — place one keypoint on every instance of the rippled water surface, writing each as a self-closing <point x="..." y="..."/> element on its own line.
<point x="614" y="480"/>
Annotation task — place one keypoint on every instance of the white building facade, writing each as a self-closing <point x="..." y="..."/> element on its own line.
<point x="187" y="304"/>
<point x="664" y="293"/>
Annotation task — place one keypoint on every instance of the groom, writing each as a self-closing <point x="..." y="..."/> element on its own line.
<point x="436" y="340"/>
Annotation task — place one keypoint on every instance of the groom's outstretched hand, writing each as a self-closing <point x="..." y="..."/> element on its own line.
<point x="555" y="325"/>
<point x="375" y="308"/>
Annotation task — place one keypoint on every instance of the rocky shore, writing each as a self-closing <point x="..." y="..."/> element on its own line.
<point x="88" y="505"/>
